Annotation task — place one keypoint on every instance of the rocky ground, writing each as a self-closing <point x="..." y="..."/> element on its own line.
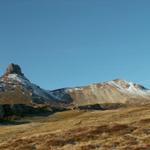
<point x="120" y="129"/>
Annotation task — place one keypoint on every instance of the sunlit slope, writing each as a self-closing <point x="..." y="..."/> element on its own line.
<point x="121" y="129"/>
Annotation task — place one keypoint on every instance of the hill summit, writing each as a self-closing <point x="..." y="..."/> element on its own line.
<point x="14" y="69"/>
<point x="15" y="87"/>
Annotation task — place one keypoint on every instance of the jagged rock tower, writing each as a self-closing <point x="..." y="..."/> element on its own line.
<point x="13" y="69"/>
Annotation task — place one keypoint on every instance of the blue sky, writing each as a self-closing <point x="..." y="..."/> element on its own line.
<point x="67" y="43"/>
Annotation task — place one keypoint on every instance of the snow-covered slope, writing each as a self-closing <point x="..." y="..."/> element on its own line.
<point x="129" y="87"/>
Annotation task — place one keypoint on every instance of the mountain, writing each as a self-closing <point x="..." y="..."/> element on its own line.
<point x="18" y="94"/>
<point x="116" y="91"/>
<point x="16" y="88"/>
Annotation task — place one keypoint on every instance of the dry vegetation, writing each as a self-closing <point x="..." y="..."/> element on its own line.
<point x="121" y="129"/>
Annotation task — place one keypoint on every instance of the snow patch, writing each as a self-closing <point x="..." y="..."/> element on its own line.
<point x="27" y="84"/>
<point x="129" y="88"/>
<point x="20" y="79"/>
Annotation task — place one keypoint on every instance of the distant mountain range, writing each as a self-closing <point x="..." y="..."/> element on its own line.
<point x="115" y="91"/>
<point x="15" y="88"/>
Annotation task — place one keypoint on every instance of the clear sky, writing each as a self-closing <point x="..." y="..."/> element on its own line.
<point x="63" y="43"/>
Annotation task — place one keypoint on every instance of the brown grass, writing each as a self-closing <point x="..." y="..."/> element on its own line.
<point x="122" y="129"/>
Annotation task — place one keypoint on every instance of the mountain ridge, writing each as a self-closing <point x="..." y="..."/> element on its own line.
<point x="111" y="91"/>
<point x="114" y="91"/>
<point x="20" y="97"/>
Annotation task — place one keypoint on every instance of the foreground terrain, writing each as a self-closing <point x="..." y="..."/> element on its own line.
<point x="120" y="129"/>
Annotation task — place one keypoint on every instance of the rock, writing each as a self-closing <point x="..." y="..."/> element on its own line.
<point x="14" y="68"/>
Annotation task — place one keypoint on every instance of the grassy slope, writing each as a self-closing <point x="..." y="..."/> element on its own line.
<point x="122" y="129"/>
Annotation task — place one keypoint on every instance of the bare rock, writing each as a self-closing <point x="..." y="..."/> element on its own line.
<point x="13" y="69"/>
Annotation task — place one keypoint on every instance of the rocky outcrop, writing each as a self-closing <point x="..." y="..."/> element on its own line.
<point x="13" y="69"/>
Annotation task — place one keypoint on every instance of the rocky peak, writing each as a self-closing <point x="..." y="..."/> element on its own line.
<point x="123" y="83"/>
<point x="13" y="69"/>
